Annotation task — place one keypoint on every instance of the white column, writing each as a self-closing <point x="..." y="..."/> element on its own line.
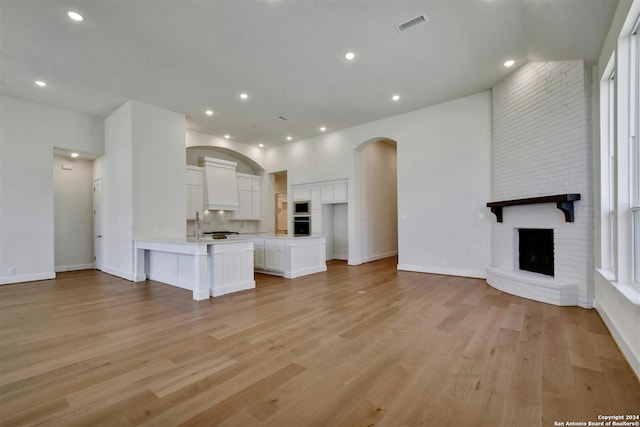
<point x="200" y="274"/>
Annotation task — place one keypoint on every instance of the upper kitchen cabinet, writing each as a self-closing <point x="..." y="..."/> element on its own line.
<point x="195" y="191"/>
<point x="321" y="192"/>
<point x="249" y="197"/>
<point x="334" y="192"/>
<point x="220" y="184"/>
<point x="301" y="193"/>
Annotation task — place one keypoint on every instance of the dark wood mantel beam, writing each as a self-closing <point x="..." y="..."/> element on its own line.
<point x="564" y="202"/>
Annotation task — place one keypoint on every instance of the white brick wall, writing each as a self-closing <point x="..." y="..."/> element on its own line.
<point x="541" y="147"/>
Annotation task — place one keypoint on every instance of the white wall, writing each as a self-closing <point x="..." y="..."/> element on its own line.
<point x="144" y="181"/>
<point x="159" y="172"/>
<point x="378" y="200"/>
<point x="444" y="160"/>
<point x="73" y="213"/>
<point x="117" y="193"/>
<point x="28" y="133"/>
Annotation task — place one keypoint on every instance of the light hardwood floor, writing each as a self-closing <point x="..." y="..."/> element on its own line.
<point x="356" y="346"/>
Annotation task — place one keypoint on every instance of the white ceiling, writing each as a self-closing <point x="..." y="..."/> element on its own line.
<point x="191" y="55"/>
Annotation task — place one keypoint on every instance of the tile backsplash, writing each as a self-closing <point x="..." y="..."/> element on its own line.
<point x="221" y="220"/>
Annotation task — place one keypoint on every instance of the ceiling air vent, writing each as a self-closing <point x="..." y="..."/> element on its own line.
<point x="412" y="23"/>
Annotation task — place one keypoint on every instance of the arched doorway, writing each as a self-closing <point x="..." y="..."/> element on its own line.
<point x="376" y="175"/>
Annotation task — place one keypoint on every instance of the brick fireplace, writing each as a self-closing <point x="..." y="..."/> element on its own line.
<point x="542" y="125"/>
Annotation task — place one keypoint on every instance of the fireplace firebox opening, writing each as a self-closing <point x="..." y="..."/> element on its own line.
<point x="536" y="250"/>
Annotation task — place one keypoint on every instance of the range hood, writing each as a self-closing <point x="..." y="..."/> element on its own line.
<point x="220" y="184"/>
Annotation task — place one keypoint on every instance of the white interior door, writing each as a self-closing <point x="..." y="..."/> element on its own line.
<point x="97" y="223"/>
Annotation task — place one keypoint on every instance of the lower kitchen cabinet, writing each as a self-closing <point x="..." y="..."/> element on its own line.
<point x="258" y="257"/>
<point x="274" y="255"/>
<point x="287" y="256"/>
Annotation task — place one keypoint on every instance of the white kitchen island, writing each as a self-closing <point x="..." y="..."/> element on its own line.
<point x="286" y="255"/>
<point x="207" y="267"/>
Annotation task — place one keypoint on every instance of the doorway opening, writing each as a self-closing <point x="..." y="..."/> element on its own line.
<point x="72" y="211"/>
<point x="281" y="203"/>
<point x="378" y="199"/>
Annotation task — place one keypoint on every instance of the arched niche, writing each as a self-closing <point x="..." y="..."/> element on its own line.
<point x="245" y="164"/>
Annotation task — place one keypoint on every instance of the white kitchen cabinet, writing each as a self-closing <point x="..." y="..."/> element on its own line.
<point x="326" y="192"/>
<point x="287" y="256"/>
<point x="334" y="192"/>
<point x="258" y="257"/>
<point x="249" y="197"/>
<point x="321" y="192"/>
<point x="258" y="253"/>
<point x="316" y="197"/>
<point x="316" y="221"/>
<point x="340" y="192"/>
<point x="274" y="254"/>
<point x="195" y="188"/>
<point x="301" y="193"/>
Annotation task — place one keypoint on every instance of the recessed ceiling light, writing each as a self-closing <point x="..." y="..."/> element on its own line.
<point x="395" y="97"/>
<point x="260" y="145"/>
<point x="244" y="95"/>
<point x="209" y="113"/>
<point x="74" y="155"/>
<point x="75" y="16"/>
<point x="509" y="63"/>
<point x="40" y="83"/>
<point x="322" y="129"/>
<point x="227" y="136"/>
<point x="289" y="138"/>
<point x="349" y="56"/>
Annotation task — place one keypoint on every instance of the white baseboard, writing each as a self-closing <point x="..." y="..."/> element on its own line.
<point x="476" y="274"/>
<point x="6" y="280"/>
<point x="76" y="267"/>
<point x="379" y="256"/>
<point x="243" y="286"/>
<point x="119" y="273"/>
<point x="369" y="258"/>
<point x="304" y="271"/>
<point x="168" y="280"/>
<point x="633" y="359"/>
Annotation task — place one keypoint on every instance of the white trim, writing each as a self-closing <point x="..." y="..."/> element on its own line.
<point x="115" y="272"/>
<point x="632" y="359"/>
<point x="236" y="287"/>
<point x="630" y="291"/>
<point x="6" y="280"/>
<point x="76" y="267"/>
<point x="476" y="274"/>
<point x="379" y="256"/>
<point x="304" y="271"/>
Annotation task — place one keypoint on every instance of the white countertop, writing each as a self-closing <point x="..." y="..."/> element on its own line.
<point x="189" y="240"/>
<point x="274" y="236"/>
<point x="232" y="238"/>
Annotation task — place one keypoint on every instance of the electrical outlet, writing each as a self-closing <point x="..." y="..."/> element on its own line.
<point x="12" y="270"/>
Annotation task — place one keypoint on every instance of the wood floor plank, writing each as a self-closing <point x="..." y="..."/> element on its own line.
<point x="354" y="346"/>
<point x="233" y="404"/>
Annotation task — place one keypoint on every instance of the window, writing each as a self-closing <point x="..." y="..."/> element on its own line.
<point x="634" y="149"/>
<point x="608" y="169"/>
<point x="620" y="161"/>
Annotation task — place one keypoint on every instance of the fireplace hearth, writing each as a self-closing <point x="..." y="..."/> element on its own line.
<point x="536" y="250"/>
